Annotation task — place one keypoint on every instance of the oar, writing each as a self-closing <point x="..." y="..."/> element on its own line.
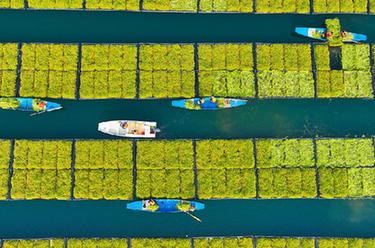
<point x="37" y="113"/>
<point x="193" y="216"/>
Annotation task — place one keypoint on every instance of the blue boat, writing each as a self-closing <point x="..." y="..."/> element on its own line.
<point x="319" y="34"/>
<point x="208" y="103"/>
<point x="28" y="104"/>
<point x="165" y="206"/>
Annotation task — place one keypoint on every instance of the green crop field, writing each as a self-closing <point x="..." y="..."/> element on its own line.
<point x="285" y="242"/>
<point x="170" y="5"/>
<point x="49" y="70"/>
<point x="108" y="71"/>
<point x="160" y="243"/>
<point x="223" y="242"/>
<point x="165" y="169"/>
<point x="12" y="4"/>
<point x="244" y="6"/>
<point x="226" y="70"/>
<point x="284" y="70"/>
<point x="8" y="69"/>
<point x="60" y="4"/>
<point x="337" y="6"/>
<point x="103" y="170"/>
<point x="99" y="243"/>
<point x="42" y="170"/>
<point x="166" y="71"/>
<point x="225" y="169"/>
<point x="35" y="243"/>
<point x="113" y="5"/>
<point x="4" y="165"/>
<point x="287" y="6"/>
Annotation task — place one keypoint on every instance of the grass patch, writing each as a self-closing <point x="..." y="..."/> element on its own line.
<point x="340" y="6"/>
<point x="42" y="170"/>
<point x="286" y="6"/>
<point x="170" y="5"/>
<point x="166" y="71"/>
<point x="285" y="242"/>
<point x="284" y="70"/>
<point x="108" y="71"/>
<point x="276" y="153"/>
<point x="49" y="70"/>
<point x="113" y="5"/>
<point x="239" y="242"/>
<point x="226" y="70"/>
<point x="8" y="68"/>
<point x="34" y="243"/>
<point x="345" y="152"/>
<point x="226" y="6"/>
<point x="103" y="170"/>
<point x="60" y="4"/>
<point x="165" y="169"/>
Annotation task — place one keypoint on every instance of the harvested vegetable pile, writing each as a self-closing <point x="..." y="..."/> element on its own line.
<point x="334" y="27"/>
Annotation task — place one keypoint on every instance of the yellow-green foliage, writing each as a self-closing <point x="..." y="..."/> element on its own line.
<point x="223" y="242"/>
<point x="49" y="70"/>
<point x="108" y="71"/>
<point x="345" y="152"/>
<point x="337" y="6"/>
<point x="356" y="57"/>
<point x="165" y="169"/>
<point x="346" y="243"/>
<point x="285" y="6"/>
<point x="170" y="5"/>
<point x="272" y="153"/>
<point x="113" y="5"/>
<point x="166" y="71"/>
<point x="285" y="243"/>
<point x="12" y="4"/>
<point x="42" y="170"/>
<point x="225" y="169"/>
<point x="226" y="70"/>
<point x="103" y="170"/>
<point x="99" y="243"/>
<point x="57" y="4"/>
<point x="37" y="243"/>
<point x="160" y="243"/>
<point x="8" y="68"/>
<point x="284" y="70"/>
<point x="321" y="54"/>
<point x="226" y="6"/>
<point x="4" y="168"/>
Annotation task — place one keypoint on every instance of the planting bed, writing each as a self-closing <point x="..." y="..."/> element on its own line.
<point x="8" y="69"/>
<point x="288" y="6"/>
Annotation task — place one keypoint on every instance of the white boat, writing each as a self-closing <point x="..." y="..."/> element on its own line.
<point x="130" y="129"/>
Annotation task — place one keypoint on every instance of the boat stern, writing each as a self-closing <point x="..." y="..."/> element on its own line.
<point x="238" y="103"/>
<point x="138" y="205"/>
<point x="198" y="206"/>
<point x="302" y="31"/>
<point x="178" y="103"/>
<point x="104" y="127"/>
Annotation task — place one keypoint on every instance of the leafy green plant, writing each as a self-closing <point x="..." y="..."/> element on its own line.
<point x="345" y="242"/>
<point x="159" y="243"/>
<point x="226" y="6"/>
<point x="287" y="183"/>
<point x="345" y="152"/>
<point x="170" y="5"/>
<point x="356" y="57"/>
<point x="9" y="103"/>
<point x="61" y="4"/>
<point x="240" y="242"/>
<point x="273" y="153"/>
<point x="49" y="70"/>
<point x="34" y="243"/>
<point x="8" y="67"/>
<point x="166" y="71"/>
<point x="285" y="242"/>
<point x="12" y="4"/>
<point x="287" y="6"/>
<point x="108" y="71"/>
<point x="113" y="5"/>
<point x="321" y="54"/>
<point x="333" y="26"/>
<point x="105" y="242"/>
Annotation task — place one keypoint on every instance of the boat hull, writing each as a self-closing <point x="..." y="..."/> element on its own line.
<point x="129" y="128"/>
<point x="165" y="206"/>
<point x="221" y="103"/>
<point x="313" y="33"/>
<point x="29" y="104"/>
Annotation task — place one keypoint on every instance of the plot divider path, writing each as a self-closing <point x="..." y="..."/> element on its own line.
<point x="134" y="152"/>
<point x="372" y="69"/>
<point x="256" y="168"/>
<point x="196" y="69"/>
<point x="255" y="70"/>
<point x="137" y="75"/>
<point x="11" y="160"/>
<point x="317" y="180"/>
<point x="73" y="157"/>
<point x="313" y="65"/>
<point x="18" y="72"/>
<point x="79" y="65"/>
<point x="195" y="168"/>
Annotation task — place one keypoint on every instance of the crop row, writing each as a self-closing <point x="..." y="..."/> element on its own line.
<point x="246" y="6"/>
<point x="170" y="71"/>
<point x="265" y="168"/>
<point x="227" y="242"/>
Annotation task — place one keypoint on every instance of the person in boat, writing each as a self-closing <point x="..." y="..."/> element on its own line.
<point x="344" y="34"/>
<point x="212" y="99"/>
<point x="200" y="101"/>
<point x="328" y="34"/>
<point x="124" y="124"/>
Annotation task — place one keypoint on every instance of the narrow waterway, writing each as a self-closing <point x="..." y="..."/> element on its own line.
<point x="258" y="119"/>
<point x="130" y="27"/>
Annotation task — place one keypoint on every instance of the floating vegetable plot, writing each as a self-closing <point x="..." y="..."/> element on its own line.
<point x="108" y="71"/>
<point x="31" y="243"/>
<point x="284" y="70"/>
<point x="230" y="242"/>
<point x="288" y="6"/>
<point x="171" y="5"/>
<point x="354" y="80"/>
<point x="143" y="243"/>
<point x="12" y="4"/>
<point x="4" y="168"/>
<point x="103" y="170"/>
<point x="49" y="70"/>
<point x="60" y="4"/>
<point x="112" y="5"/>
<point x="8" y="68"/>
<point x="166" y="71"/>
<point x="41" y="170"/>
<point x="243" y="6"/>
<point x="165" y="169"/>
<point x="105" y="242"/>
<point x="340" y="6"/>
<point x="285" y="242"/>
<point x="225" y="169"/>
<point x="226" y="70"/>
<point x="345" y="242"/>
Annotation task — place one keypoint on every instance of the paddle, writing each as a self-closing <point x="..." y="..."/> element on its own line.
<point x="193" y="216"/>
<point x="37" y="113"/>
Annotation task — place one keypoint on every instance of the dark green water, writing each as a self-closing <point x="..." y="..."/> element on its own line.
<point x="36" y="219"/>
<point x="259" y="118"/>
<point x="120" y="26"/>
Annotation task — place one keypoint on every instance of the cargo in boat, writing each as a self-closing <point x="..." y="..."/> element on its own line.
<point x="208" y="103"/>
<point x="127" y="128"/>
<point x="165" y="205"/>
<point x="320" y="34"/>
<point x="28" y="104"/>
